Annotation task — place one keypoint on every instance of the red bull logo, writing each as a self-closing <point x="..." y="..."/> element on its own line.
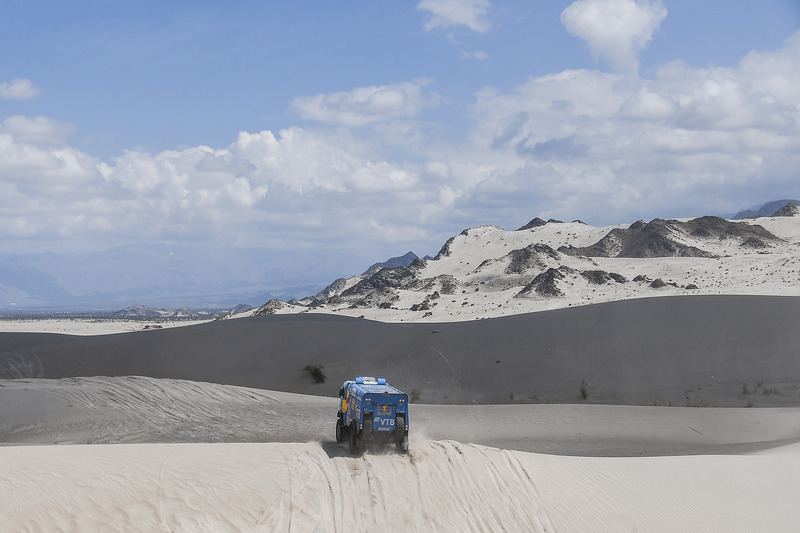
<point x="384" y="410"/>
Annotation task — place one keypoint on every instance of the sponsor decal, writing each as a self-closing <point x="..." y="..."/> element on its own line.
<point x="384" y="410"/>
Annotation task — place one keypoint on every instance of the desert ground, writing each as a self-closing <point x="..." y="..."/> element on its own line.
<point x="217" y="427"/>
<point x="161" y="454"/>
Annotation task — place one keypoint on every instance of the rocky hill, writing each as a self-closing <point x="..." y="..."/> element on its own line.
<point x="143" y="312"/>
<point x="487" y="271"/>
<point x="766" y="210"/>
<point x="403" y="260"/>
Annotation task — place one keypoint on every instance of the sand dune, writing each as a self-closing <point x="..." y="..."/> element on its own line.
<point x="148" y="410"/>
<point x="447" y="482"/>
<point x="87" y="326"/>
<point x="680" y="351"/>
<point x="439" y="486"/>
<point x="201" y="440"/>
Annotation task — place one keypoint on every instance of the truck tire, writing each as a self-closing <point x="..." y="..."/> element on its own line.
<point x="366" y="430"/>
<point x="353" y="430"/>
<point x="341" y="431"/>
<point x="400" y="437"/>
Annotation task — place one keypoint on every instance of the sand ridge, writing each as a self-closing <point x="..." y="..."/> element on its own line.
<point x="104" y="410"/>
<point x="242" y="459"/>
<point x="732" y="351"/>
<point x="181" y="448"/>
<point x="439" y="486"/>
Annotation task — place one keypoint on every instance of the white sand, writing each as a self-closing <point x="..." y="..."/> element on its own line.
<point x="441" y="485"/>
<point x="80" y="326"/>
<point x="131" y="410"/>
<point x="447" y="482"/>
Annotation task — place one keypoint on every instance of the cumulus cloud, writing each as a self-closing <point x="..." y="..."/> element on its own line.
<point x="601" y="146"/>
<point x="581" y="141"/>
<point x="367" y="105"/>
<point x="35" y="157"/>
<point x="453" y="13"/>
<point x="615" y="30"/>
<point x="37" y="130"/>
<point x="18" y="89"/>
<point x="263" y="187"/>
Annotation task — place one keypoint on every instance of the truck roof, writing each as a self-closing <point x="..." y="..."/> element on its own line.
<point x="376" y="385"/>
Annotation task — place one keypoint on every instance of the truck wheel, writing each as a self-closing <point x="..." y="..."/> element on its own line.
<point x="401" y="440"/>
<point x="353" y="439"/>
<point x="341" y="431"/>
<point x="366" y="430"/>
<point x="402" y="445"/>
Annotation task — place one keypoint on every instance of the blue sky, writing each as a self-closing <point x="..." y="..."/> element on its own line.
<point x="382" y="127"/>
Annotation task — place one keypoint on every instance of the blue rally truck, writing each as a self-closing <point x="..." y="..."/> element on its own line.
<point x="372" y="411"/>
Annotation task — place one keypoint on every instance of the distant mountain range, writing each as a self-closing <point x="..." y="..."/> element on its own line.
<point x="394" y="262"/>
<point x="766" y="210"/>
<point x="183" y="276"/>
<point x="142" y="312"/>
<point x="488" y="271"/>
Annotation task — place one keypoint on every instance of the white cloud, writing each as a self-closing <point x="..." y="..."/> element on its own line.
<point x="452" y="13"/>
<point x="34" y="157"/>
<point x="580" y="141"/>
<point x="37" y="130"/>
<point x="18" y="89"/>
<point x="367" y="105"/>
<point x="603" y="147"/>
<point x="775" y="73"/>
<point x="477" y="54"/>
<point x="615" y="30"/>
<point x="263" y="186"/>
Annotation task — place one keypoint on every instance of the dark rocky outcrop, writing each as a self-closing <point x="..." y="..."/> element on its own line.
<point x="376" y="290"/>
<point x="386" y="278"/>
<point x="535" y="223"/>
<point x="719" y="228"/>
<point x="657" y="238"/>
<point x="538" y="222"/>
<point x="619" y="278"/>
<point x="545" y="284"/>
<point x="754" y="242"/>
<point x="445" y="251"/>
<point x="530" y="257"/>
<point x="382" y="298"/>
<point x="789" y="210"/>
<point x="640" y="239"/>
<point x="427" y="302"/>
<point x="331" y="290"/>
<point x="658" y="283"/>
<point x="601" y="277"/>
<point x="446" y="284"/>
<point x="269" y="308"/>
<point x="401" y="261"/>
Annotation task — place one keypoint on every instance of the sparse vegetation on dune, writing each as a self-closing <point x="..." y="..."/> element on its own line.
<point x="315" y="371"/>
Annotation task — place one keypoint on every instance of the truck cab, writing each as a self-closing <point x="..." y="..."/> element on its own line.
<point x="371" y="411"/>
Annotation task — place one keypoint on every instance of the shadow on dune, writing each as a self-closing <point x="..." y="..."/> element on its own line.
<point x="637" y="351"/>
